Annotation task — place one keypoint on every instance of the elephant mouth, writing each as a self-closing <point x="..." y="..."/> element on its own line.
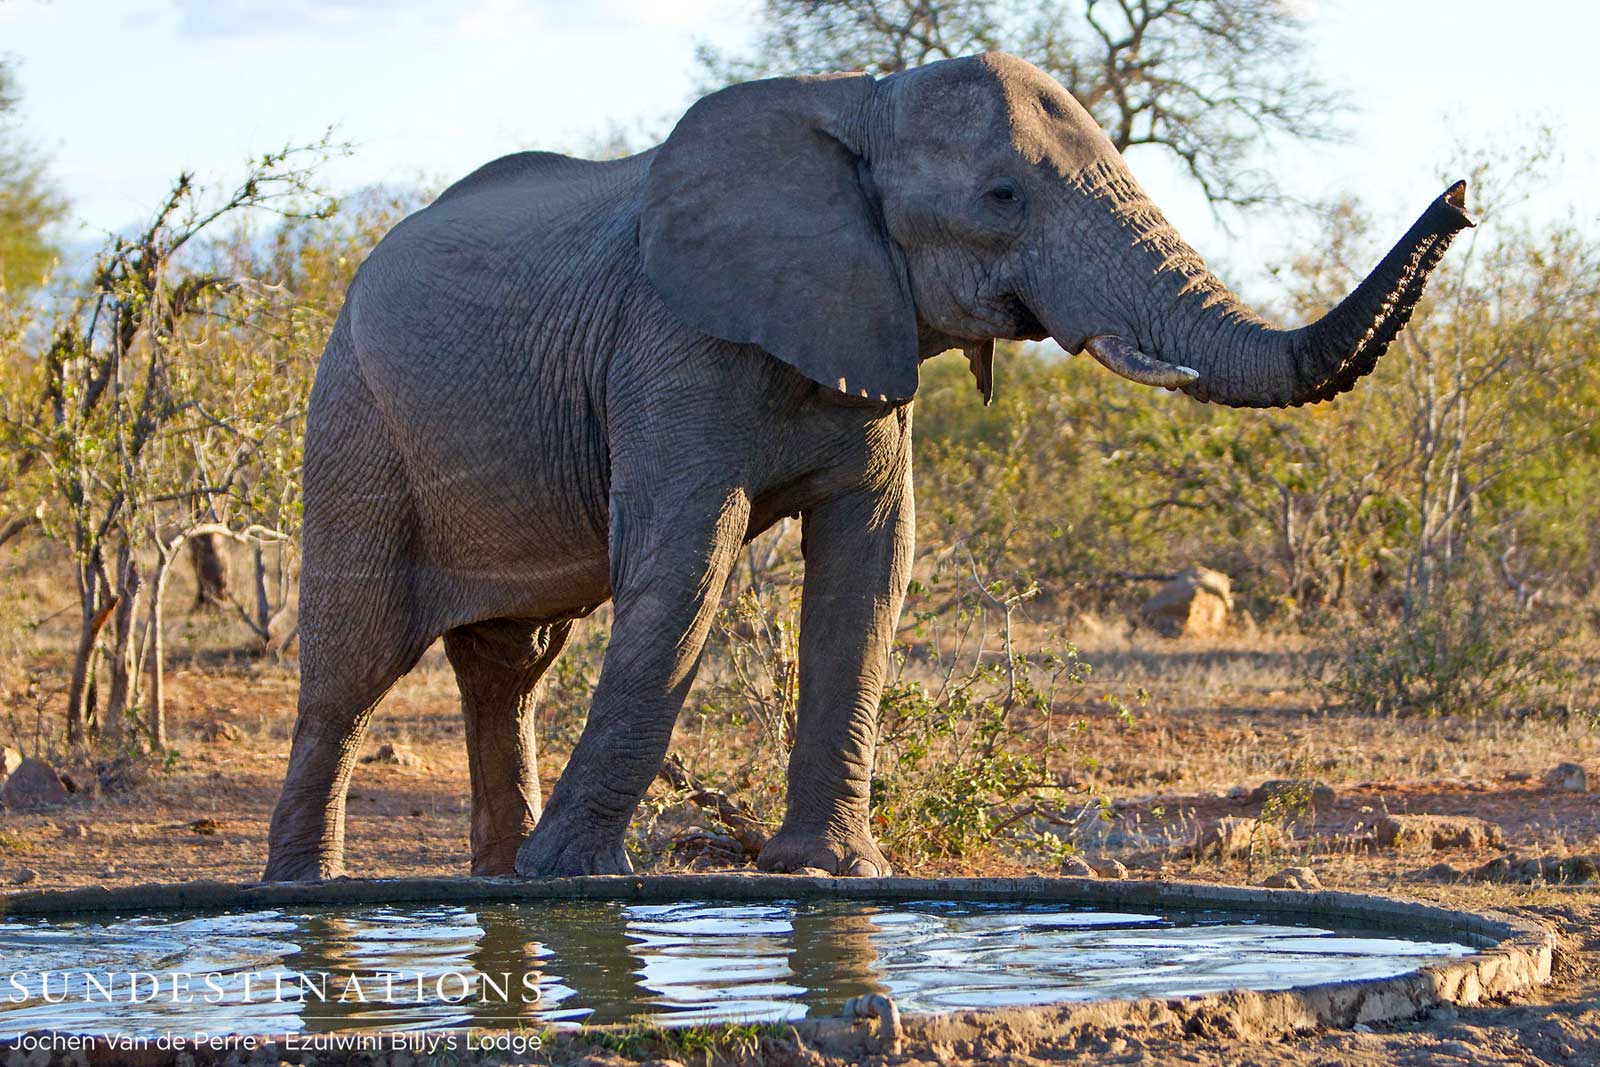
<point x="1021" y="323"/>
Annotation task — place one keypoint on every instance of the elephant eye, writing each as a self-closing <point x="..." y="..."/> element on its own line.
<point x="1005" y="193"/>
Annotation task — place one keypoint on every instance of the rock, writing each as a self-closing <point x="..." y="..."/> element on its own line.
<point x="1293" y="878"/>
<point x="1567" y="778"/>
<point x="205" y="827"/>
<point x="396" y="755"/>
<point x="34" y="784"/>
<point x="1514" y="869"/>
<point x="1461" y="1051"/>
<point x="1553" y="870"/>
<point x="1233" y="835"/>
<point x="1439" y="872"/>
<point x="1106" y="867"/>
<point x="1417" y="832"/>
<point x="1076" y="867"/>
<point x="10" y="760"/>
<point x="218" y="732"/>
<point x="75" y="831"/>
<point x="24" y="876"/>
<point x="1293" y="790"/>
<point x="1509" y="868"/>
<point x="1194" y="604"/>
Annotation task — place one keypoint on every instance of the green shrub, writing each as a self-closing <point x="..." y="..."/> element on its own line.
<point x="1462" y="653"/>
<point x="969" y="740"/>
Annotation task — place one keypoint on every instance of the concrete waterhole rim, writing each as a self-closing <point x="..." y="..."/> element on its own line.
<point x="1517" y="957"/>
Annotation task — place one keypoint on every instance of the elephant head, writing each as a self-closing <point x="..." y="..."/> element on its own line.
<point x="853" y="227"/>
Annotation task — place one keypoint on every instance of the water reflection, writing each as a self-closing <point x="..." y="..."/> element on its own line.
<point x="833" y="956"/>
<point x="505" y="954"/>
<point x="574" y="962"/>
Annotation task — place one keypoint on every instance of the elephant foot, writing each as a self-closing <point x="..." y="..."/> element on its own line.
<point x="549" y="853"/>
<point x="302" y="867"/>
<point x="496" y="862"/>
<point x="804" y="851"/>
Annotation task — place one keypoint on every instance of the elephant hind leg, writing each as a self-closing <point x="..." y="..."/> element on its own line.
<point x="358" y="637"/>
<point x="498" y="666"/>
<point x="361" y="623"/>
<point x="306" y="839"/>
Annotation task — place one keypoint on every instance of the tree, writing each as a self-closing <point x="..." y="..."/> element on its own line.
<point x="118" y="409"/>
<point x="1203" y="80"/>
<point x="29" y="204"/>
<point x="210" y="571"/>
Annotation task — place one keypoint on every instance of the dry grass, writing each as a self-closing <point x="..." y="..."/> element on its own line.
<point x="1220" y="718"/>
<point x="1212" y="720"/>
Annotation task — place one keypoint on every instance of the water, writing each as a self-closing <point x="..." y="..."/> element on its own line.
<point x="539" y="963"/>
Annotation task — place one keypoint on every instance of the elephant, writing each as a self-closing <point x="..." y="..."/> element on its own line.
<point x="566" y="381"/>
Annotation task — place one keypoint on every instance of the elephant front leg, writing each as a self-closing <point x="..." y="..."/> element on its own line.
<point x="668" y="571"/>
<point x="857" y="559"/>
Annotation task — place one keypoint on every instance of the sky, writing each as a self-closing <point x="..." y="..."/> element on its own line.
<point x="123" y="95"/>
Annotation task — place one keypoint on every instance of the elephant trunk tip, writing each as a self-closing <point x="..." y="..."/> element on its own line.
<point x="1372" y="317"/>
<point x="1456" y="197"/>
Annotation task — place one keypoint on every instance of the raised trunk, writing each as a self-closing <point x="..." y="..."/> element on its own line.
<point x="1326" y="358"/>
<point x="1186" y="316"/>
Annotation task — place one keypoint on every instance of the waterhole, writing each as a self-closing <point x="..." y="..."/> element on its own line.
<point x="546" y="962"/>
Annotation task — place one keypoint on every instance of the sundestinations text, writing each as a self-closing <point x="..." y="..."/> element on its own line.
<point x="185" y="987"/>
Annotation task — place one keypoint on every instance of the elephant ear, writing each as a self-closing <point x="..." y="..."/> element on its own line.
<point x="756" y="227"/>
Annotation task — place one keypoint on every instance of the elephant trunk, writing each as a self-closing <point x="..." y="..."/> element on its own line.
<point x="1238" y="359"/>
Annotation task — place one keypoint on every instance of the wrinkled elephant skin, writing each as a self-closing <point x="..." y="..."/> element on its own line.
<point x="568" y="381"/>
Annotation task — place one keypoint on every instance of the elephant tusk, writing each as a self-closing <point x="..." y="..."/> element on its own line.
<point x="1122" y="358"/>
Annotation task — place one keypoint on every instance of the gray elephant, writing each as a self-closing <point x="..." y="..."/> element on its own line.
<point x="566" y="381"/>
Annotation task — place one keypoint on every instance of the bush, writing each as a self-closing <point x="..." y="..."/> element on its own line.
<point x="1461" y="653"/>
<point x="962" y="765"/>
<point x="970" y="735"/>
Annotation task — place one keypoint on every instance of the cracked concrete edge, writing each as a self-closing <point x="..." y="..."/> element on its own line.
<point x="1515" y="955"/>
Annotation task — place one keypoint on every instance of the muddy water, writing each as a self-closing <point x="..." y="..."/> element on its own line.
<point x="540" y="963"/>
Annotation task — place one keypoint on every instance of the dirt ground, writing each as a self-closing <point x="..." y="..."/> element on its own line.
<point x="1223" y="718"/>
